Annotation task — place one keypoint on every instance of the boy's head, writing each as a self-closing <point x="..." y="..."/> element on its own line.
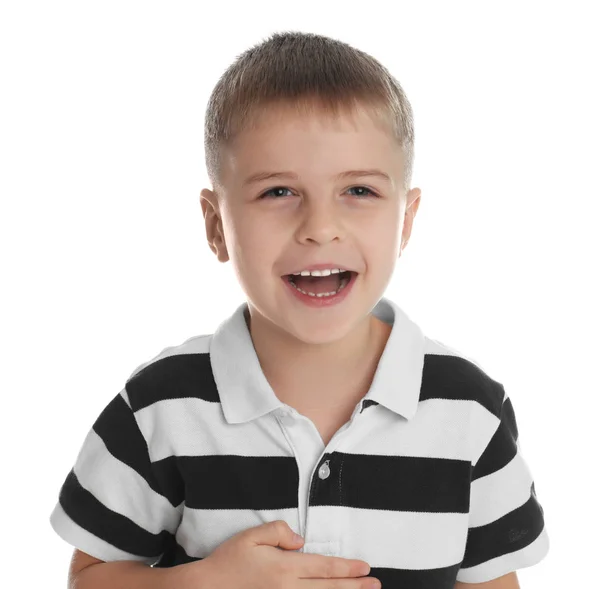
<point x="315" y="108"/>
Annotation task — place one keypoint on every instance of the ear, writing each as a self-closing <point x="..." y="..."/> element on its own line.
<point x="213" y="224"/>
<point x="413" y="200"/>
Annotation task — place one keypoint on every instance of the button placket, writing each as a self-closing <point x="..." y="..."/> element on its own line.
<point x="321" y="545"/>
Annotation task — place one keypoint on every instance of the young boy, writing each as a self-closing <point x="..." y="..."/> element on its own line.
<point x="319" y="402"/>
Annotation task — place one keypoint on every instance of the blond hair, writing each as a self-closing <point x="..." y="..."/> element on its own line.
<point x="306" y="71"/>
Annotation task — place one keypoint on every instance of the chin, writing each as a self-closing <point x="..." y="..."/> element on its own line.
<point x="319" y="332"/>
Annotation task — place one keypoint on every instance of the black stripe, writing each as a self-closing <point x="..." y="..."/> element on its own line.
<point x="240" y="482"/>
<point x="441" y="578"/>
<point x="458" y="379"/>
<point x="173" y="377"/>
<point x="118" y="429"/>
<point x="394" y="483"/>
<point x="169" y="477"/>
<point x="510" y="533"/>
<point x="502" y="448"/>
<point x="116" y="529"/>
<point x="434" y="485"/>
<point x="174" y="555"/>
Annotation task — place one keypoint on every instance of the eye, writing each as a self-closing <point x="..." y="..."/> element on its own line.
<point x="265" y="194"/>
<point x="272" y="190"/>
<point x="371" y="193"/>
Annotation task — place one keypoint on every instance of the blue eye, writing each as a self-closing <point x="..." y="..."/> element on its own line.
<point x="368" y="190"/>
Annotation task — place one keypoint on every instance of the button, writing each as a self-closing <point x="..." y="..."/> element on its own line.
<point x="286" y="414"/>
<point x="324" y="471"/>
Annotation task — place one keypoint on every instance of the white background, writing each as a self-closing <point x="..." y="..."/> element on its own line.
<point x="104" y="254"/>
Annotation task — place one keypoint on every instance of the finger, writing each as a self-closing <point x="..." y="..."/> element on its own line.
<point x="317" y="566"/>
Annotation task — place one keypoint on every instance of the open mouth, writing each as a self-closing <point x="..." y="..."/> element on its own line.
<point x="320" y="285"/>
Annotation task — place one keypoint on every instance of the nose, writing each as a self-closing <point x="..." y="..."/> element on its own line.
<point x="320" y="222"/>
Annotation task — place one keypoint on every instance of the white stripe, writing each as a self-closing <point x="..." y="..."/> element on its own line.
<point x="440" y="429"/>
<point x="120" y="488"/>
<point x="410" y="540"/>
<point x="85" y="541"/>
<point x="125" y="397"/>
<point x="506" y="563"/>
<point x="501" y="492"/>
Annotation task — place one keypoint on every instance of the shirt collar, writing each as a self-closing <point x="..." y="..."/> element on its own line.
<point x="246" y="394"/>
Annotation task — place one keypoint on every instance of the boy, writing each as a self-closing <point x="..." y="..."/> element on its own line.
<point x="319" y="402"/>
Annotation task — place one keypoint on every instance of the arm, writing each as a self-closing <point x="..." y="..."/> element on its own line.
<point x="506" y="521"/>
<point x="123" y="574"/>
<point x="112" y="504"/>
<point x="509" y="581"/>
<point x="87" y="572"/>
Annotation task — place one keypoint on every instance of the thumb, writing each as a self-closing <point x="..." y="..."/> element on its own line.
<point x="276" y="533"/>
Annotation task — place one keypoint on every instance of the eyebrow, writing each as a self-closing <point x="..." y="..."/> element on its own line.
<point x="260" y="176"/>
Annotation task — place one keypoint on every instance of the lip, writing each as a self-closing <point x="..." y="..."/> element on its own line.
<point x="321" y="301"/>
<point x="324" y="266"/>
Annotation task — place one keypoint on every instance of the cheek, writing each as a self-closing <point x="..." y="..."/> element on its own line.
<point x="257" y="248"/>
<point x="384" y="248"/>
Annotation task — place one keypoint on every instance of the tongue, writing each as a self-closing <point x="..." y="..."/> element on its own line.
<point x="318" y="284"/>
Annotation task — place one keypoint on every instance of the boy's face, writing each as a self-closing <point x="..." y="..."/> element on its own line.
<point x="310" y="220"/>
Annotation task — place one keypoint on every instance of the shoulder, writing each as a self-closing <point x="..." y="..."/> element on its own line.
<point x="174" y="372"/>
<point x="457" y="376"/>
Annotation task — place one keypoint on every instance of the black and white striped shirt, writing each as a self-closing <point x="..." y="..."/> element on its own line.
<point x="426" y="482"/>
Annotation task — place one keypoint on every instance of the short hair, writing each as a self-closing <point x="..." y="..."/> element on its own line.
<point x="306" y="71"/>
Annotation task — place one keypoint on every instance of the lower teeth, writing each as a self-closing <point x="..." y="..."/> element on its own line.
<point x="322" y="294"/>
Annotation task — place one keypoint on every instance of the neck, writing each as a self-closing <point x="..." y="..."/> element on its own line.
<point x="294" y="368"/>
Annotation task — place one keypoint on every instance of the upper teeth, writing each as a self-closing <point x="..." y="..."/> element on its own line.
<point x="318" y="272"/>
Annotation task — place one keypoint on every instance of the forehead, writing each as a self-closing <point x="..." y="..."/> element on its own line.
<point x="282" y="138"/>
<point x="313" y="118"/>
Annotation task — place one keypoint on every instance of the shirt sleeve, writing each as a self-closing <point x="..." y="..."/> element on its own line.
<point x="111" y="504"/>
<point x="506" y="521"/>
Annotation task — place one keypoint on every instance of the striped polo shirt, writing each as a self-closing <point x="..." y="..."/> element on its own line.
<point x="426" y="482"/>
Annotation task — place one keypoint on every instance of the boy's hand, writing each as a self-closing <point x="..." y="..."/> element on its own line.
<point x="258" y="558"/>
